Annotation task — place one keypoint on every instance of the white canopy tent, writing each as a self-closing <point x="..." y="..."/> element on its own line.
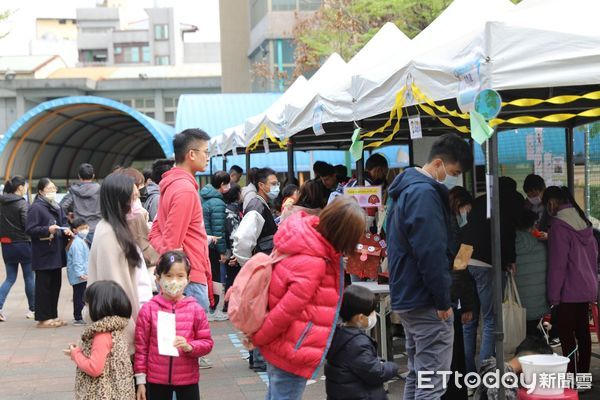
<point x="376" y="89"/>
<point x="273" y="117"/>
<point x="230" y="139"/>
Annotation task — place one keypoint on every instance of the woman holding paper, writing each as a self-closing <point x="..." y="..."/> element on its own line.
<point x="48" y="228"/>
<point x="114" y="254"/>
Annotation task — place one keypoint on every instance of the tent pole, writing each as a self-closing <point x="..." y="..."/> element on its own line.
<point x="493" y="170"/>
<point x="411" y="153"/>
<point x="360" y="170"/>
<point x="570" y="165"/>
<point x="247" y="165"/>
<point x="290" y="161"/>
<point x="211" y="167"/>
<point x="224" y="163"/>
<point x="473" y="175"/>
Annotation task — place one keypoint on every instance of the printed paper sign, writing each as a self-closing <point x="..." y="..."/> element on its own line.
<point x="538" y="164"/>
<point x="530" y="148"/>
<point x="318" y="120"/>
<point x="548" y="169"/>
<point x="414" y="124"/>
<point x="539" y="140"/>
<point x="559" y="165"/>
<point x="489" y="184"/>
<point x="367" y="196"/>
<point x="165" y="330"/>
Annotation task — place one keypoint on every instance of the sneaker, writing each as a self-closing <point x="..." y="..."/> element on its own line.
<point x="79" y="322"/>
<point x="554" y="342"/>
<point x="30" y="315"/>
<point x="205" y="363"/>
<point x="217" y="316"/>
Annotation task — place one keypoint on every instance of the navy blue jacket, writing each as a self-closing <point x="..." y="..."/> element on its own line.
<point x="46" y="254"/>
<point x="419" y="248"/>
<point x="353" y="371"/>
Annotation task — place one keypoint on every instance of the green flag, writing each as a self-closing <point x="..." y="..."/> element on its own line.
<point x="480" y="130"/>
<point x="356" y="148"/>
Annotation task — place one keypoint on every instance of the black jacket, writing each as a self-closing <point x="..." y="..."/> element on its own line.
<point x="477" y="231"/>
<point x="463" y="287"/>
<point x="353" y="370"/>
<point x="48" y="252"/>
<point x="13" y="217"/>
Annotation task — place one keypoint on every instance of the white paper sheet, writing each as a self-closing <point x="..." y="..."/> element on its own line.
<point x="414" y="124"/>
<point x="530" y="147"/>
<point x="166" y="331"/>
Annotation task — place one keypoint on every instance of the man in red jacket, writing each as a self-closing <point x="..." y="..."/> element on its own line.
<point x="179" y="223"/>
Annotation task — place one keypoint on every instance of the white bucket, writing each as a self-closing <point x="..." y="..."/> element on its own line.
<point x="544" y="363"/>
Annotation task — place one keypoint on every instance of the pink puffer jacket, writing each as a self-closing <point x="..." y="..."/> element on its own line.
<point x="191" y="324"/>
<point x="304" y="299"/>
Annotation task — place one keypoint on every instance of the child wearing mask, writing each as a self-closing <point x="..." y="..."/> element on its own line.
<point x="158" y="376"/>
<point x="353" y="369"/>
<point x="78" y="255"/>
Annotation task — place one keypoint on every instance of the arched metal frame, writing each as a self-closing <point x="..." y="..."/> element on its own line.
<point x="29" y="123"/>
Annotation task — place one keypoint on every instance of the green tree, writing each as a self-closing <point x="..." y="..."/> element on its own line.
<point x="4" y="15"/>
<point x="345" y="26"/>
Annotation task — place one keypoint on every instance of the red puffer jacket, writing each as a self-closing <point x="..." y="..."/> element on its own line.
<point x="304" y="299"/>
<point x="191" y="323"/>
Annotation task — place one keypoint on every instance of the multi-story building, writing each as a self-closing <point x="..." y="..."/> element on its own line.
<point x="256" y="42"/>
<point x="105" y="38"/>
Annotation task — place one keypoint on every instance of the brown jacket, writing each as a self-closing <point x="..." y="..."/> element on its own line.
<point x="116" y="381"/>
<point x="138" y="225"/>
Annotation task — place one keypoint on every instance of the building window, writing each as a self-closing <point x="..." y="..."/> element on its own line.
<point x="170" y="117"/>
<point x="161" y="32"/>
<point x="170" y="110"/>
<point x="309" y="5"/>
<point x="132" y="53"/>
<point x="283" y="5"/>
<point x="62" y="21"/>
<point x="146" y="56"/>
<point x="143" y="105"/>
<point x="162" y="60"/>
<point x="93" y="56"/>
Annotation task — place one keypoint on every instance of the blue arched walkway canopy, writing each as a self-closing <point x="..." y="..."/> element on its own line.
<point x="54" y="137"/>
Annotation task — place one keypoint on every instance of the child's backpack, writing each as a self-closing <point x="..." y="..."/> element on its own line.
<point x="249" y="296"/>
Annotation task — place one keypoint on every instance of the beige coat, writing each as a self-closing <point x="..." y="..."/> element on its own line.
<point x="108" y="262"/>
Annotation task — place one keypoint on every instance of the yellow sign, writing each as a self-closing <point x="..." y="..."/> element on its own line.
<point x="367" y="196"/>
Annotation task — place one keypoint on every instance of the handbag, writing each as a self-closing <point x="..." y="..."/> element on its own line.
<point x="513" y="316"/>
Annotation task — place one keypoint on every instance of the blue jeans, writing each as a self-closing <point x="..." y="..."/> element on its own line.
<point x="12" y="269"/>
<point x="284" y="385"/>
<point x="199" y="292"/>
<point x="484" y="283"/>
<point x="429" y="342"/>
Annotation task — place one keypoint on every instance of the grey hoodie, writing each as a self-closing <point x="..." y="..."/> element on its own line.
<point x="248" y="193"/>
<point x="151" y="204"/>
<point x="83" y="200"/>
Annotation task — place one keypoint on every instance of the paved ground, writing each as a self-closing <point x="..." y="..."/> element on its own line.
<point x="32" y="365"/>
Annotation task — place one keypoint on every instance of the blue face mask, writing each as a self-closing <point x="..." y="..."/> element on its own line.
<point x="274" y="192"/>
<point x="450" y="180"/>
<point x="462" y="218"/>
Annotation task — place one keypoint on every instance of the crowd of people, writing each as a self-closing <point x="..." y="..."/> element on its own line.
<point x="143" y="248"/>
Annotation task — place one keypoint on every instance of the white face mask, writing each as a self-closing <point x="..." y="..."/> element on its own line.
<point x="173" y="287"/>
<point x="83" y="233"/>
<point x="372" y="321"/>
<point x="535" y="200"/>
<point x="50" y="196"/>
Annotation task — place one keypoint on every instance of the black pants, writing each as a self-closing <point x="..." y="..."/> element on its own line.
<point x="165" y="392"/>
<point x="78" y="302"/>
<point x="47" y="290"/>
<point x="458" y="361"/>
<point x="573" y="331"/>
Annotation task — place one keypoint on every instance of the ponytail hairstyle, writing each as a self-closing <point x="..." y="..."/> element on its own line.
<point x="562" y="195"/>
<point x="11" y="185"/>
<point x="115" y="202"/>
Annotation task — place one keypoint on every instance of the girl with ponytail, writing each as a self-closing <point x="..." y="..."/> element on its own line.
<point x="572" y="272"/>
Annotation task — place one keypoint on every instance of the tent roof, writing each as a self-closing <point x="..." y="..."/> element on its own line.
<point x="216" y="112"/>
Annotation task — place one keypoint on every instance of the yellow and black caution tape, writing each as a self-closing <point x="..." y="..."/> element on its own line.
<point x="395" y="113"/>
<point x="265" y="131"/>
<point x="563" y="99"/>
<point x="420" y="96"/>
<point x="553" y="118"/>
